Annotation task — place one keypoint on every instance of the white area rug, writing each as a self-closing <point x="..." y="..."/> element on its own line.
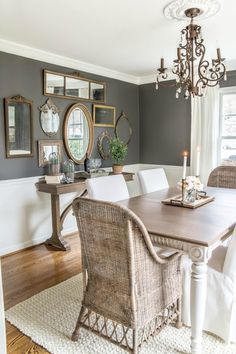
<point x="49" y="318"/>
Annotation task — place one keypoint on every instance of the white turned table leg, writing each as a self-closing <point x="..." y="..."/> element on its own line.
<point x="198" y="303"/>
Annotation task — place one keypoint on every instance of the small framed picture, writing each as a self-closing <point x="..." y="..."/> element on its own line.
<point x="46" y="147"/>
<point x="104" y="116"/>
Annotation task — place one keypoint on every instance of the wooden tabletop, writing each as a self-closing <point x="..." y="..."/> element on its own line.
<point x="203" y="226"/>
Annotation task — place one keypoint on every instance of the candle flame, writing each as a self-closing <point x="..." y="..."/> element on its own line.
<point x="185" y="153"/>
<point x="198" y="148"/>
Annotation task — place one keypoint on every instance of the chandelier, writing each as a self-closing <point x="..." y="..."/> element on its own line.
<point x="193" y="72"/>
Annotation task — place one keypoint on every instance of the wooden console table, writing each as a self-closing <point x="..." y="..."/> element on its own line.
<point x="57" y="240"/>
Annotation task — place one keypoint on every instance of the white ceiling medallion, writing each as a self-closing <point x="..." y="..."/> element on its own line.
<point x="176" y="9"/>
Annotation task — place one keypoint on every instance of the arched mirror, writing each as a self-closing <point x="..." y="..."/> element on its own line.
<point x="78" y="132"/>
<point x="123" y="129"/>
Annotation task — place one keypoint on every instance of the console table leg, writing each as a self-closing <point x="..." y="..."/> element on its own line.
<point x="56" y="240"/>
<point x="198" y="302"/>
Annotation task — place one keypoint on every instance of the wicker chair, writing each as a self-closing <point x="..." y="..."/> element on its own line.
<point x="131" y="292"/>
<point x="223" y="176"/>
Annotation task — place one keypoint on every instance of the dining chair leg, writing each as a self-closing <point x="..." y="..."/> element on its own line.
<point x="75" y="335"/>
<point x="135" y="341"/>
<point x="179" y="322"/>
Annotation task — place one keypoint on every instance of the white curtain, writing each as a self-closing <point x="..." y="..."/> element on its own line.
<point x="204" y="132"/>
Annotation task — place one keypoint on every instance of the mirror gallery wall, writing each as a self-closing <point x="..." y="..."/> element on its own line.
<point x="24" y="77"/>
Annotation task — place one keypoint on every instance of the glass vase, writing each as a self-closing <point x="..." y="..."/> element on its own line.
<point x="68" y="170"/>
<point x="189" y="195"/>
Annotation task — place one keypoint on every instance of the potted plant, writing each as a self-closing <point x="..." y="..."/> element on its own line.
<point x="118" y="151"/>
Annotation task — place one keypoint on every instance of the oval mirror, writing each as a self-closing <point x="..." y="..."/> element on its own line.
<point x="123" y="130"/>
<point x="78" y="132"/>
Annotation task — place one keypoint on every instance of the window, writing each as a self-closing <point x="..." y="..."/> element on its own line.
<point x="227" y="131"/>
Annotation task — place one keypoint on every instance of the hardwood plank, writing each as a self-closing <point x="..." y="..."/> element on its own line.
<point x="30" y="271"/>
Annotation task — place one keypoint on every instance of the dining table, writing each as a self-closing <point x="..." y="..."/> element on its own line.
<point x="193" y="231"/>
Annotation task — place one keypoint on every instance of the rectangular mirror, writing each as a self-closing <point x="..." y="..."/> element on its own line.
<point x="97" y="91"/>
<point x="18" y="127"/>
<point x="54" y="84"/>
<point x="104" y="116"/>
<point x="77" y="88"/>
<point x="73" y="86"/>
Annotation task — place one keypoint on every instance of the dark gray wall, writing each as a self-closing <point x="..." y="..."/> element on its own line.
<point x="165" y="124"/>
<point x="24" y="76"/>
<point x="231" y="79"/>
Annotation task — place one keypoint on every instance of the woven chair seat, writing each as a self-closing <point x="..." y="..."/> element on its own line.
<point x="131" y="293"/>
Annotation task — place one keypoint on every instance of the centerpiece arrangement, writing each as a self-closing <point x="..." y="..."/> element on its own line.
<point x="118" y="151"/>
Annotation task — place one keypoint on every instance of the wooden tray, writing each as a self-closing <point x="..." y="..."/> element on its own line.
<point x="177" y="201"/>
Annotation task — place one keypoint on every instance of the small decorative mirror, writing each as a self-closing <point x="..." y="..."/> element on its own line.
<point x="48" y="147"/>
<point x="103" y="145"/>
<point x="18" y="127"/>
<point x="123" y="130"/>
<point x="78" y="132"/>
<point x="49" y="118"/>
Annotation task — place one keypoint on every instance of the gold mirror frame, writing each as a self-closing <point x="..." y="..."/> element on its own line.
<point x="123" y="116"/>
<point x="93" y="92"/>
<point x="17" y="100"/>
<point x="90" y="127"/>
<point x="104" y="135"/>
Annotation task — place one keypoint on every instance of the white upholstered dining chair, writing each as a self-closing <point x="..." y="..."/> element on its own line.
<point x="108" y="188"/>
<point x="220" y="314"/>
<point x="152" y="180"/>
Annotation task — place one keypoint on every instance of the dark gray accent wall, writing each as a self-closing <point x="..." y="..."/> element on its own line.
<point x="165" y="124"/>
<point x="24" y="76"/>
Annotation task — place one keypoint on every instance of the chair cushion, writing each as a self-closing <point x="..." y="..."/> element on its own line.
<point x="108" y="188"/>
<point x="152" y="180"/>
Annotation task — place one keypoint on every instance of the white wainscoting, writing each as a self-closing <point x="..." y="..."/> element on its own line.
<point x="3" y="346"/>
<point x="26" y="213"/>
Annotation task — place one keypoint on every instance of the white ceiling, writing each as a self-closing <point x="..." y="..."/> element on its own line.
<point x="123" y="36"/>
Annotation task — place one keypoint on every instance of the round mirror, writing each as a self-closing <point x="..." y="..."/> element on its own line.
<point x="123" y="130"/>
<point x="78" y="132"/>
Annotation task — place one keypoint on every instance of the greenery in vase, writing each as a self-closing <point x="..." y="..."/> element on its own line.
<point x="118" y="150"/>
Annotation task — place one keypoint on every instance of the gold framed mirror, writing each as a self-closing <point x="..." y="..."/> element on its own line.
<point x="73" y="86"/>
<point x="78" y="132"/>
<point x="18" y="127"/>
<point x="123" y="129"/>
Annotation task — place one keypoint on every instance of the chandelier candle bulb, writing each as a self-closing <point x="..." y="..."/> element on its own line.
<point x="178" y="54"/>
<point x="218" y="54"/>
<point x="162" y="63"/>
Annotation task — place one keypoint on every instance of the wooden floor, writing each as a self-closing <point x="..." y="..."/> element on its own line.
<point x="28" y="272"/>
